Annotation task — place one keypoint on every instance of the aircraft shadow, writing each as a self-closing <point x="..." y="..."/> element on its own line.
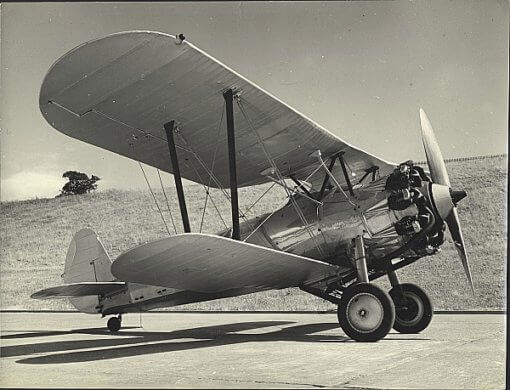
<point x="139" y="342"/>
<point x="130" y="342"/>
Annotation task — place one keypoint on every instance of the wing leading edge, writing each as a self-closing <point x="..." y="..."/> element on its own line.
<point x="117" y="92"/>
<point x="212" y="264"/>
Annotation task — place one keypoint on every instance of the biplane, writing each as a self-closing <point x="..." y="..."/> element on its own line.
<point x="350" y="217"/>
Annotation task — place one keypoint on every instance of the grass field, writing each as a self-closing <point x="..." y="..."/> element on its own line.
<point x="35" y="235"/>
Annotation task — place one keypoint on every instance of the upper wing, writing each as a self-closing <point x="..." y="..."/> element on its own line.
<point x="211" y="264"/>
<point x="117" y="92"/>
<point x="81" y="289"/>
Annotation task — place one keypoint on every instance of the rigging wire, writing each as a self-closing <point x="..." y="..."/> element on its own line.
<point x="218" y="211"/>
<point x="294" y="190"/>
<point x="300" y="215"/>
<point x="313" y="173"/>
<point x="212" y="199"/>
<point x="190" y="150"/>
<point x="280" y="177"/>
<point x="167" y="203"/>
<point x="260" y="197"/>
<point x="214" y="178"/>
<point x="154" y="197"/>
<point x="212" y="167"/>
<point x="337" y="184"/>
<point x="263" y="222"/>
<point x="203" y="211"/>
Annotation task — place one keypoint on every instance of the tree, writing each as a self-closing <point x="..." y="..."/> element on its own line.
<point x="79" y="183"/>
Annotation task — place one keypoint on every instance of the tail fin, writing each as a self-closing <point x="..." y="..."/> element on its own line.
<point x="87" y="261"/>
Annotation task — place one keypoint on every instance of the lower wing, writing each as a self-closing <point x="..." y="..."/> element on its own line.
<point x="212" y="264"/>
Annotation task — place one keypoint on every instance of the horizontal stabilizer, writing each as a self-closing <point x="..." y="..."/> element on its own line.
<point x="212" y="264"/>
<point x="79" y="290"/>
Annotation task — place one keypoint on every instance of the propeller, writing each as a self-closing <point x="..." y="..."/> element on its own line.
<point x="439" y="176"/>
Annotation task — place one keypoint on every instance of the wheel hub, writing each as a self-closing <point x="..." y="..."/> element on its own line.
<point x="411" y="311"/>
<point x="365" y="312"/>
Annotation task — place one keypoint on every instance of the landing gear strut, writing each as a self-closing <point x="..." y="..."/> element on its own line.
<point x="366" y="312"/>
<point x="114" y="323"/>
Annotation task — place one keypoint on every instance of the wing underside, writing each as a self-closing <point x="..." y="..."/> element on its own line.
<point x="212" y="264"/>
<point x="117" y="92"/>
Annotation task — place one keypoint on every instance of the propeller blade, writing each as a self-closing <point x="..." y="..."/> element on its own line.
<point x="435" y="159"/>
<point x="439" y="175"/>
<point x="454" y="226"/>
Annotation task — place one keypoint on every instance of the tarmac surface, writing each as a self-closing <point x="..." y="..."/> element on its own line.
<point x="213" y="350"/>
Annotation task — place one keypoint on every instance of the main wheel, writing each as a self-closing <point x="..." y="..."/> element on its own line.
<point x="114" y="324"/>
<point x="413" y="310"/>
<point x="366" y="312"/>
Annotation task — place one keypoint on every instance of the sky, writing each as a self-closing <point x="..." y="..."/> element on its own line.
<point x="360" y="69"/>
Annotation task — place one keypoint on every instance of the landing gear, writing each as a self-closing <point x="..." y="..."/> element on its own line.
<point x="366" y="312"/>
<point x="413" y="308"/>
<point x="114" y="324"/>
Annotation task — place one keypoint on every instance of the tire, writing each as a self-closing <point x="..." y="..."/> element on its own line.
<point x="415" y="313"/>
<point x="366" y="312"/>
<point x="114" y="324"/>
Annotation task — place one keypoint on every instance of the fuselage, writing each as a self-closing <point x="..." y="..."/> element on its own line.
<point x="324" y="230"/>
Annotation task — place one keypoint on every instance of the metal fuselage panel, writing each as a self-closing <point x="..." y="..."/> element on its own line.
<point x="330" y="229"/>
<point x="153" y="297"/>
<point x="142" y="297"/>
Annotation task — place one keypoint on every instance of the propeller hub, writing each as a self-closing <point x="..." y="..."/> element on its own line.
<point x="457" y="196"/>
<point x="444" y="199"/>
<point x="441" y="199"/>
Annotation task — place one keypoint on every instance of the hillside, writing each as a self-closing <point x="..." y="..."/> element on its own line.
<point x="35" y="235"/>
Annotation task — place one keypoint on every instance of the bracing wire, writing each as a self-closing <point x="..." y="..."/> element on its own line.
<point x="203" y="211"/>
<point x="218" y="211"/>
<point x="212" y="200"/>
<point x="154" y="197"/>
<point x="212" y="168"/>
<point x="262" y="223"/>
<point x="337" y="184"/>
<point x="299" y="213"/>
<point x="293" y="190"/>
<point x="213" y="177"/>
<point x="265" y="219"/>
<point x="260" y="197"/>
<point x="167" y="203"/>
<point x="280" y="177"/>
